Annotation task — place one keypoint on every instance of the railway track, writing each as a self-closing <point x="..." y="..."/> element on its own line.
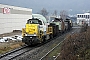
<point x="36" y="54"/>
<point x="45" y="57"/>
<point x="14" y="53"/>
<point x="20" y="51"/>
<point x="38" y="47"/>
<point x="17" y="52"/>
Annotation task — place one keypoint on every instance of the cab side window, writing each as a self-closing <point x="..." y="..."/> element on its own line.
<point x="40" y="22"/>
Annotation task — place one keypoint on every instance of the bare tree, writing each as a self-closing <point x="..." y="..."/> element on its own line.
<point x="63" y="14"/>
<point x="44" y="12"/>
<point x="55" y="13"/>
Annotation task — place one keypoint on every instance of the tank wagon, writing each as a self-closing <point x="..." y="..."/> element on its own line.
<point x="60" y="23"/>
<point x="37" y="29"/>
<point x="68" y="24"/>
<point x="64" y="25"/>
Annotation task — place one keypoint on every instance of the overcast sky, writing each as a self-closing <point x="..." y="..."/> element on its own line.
<point x="71" y="6"/>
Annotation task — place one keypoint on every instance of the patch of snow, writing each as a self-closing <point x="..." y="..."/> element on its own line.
<point x="9" y="38"/>
<point x="18" y="37"/>
<point x="3" y="40"/>
<point x="6" y="39"/>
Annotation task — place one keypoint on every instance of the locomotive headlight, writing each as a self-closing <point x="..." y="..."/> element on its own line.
<point x="34" y="34"/>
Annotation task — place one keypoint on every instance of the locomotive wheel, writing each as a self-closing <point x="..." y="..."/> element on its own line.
<point x="43" y="39"/>
<point x="51" y="36"/>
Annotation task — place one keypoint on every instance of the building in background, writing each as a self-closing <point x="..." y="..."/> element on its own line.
<point x="83" y="18"/>
<point x="13" y="18"/>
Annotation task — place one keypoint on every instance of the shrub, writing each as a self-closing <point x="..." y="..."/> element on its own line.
<point x="76" y="46"/>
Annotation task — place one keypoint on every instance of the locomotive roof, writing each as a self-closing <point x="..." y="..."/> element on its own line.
<point x="38" y="16"/>
<point x="58" y="19"/>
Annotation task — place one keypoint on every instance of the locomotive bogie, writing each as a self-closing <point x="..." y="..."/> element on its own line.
<point x="30" y="40"/>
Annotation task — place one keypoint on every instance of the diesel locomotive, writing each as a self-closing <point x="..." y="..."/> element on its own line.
<point x="37" y="30"/>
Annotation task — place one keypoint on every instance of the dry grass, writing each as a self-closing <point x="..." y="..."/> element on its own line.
<point x="5" y="47"/>
<point x="16" y="45"/>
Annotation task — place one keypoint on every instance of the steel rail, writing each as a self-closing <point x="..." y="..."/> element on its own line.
<point x="54" y="48"/>
<point x="8" y="53"/>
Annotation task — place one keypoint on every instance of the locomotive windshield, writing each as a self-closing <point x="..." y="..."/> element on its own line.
<point x="34" y="21"/>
